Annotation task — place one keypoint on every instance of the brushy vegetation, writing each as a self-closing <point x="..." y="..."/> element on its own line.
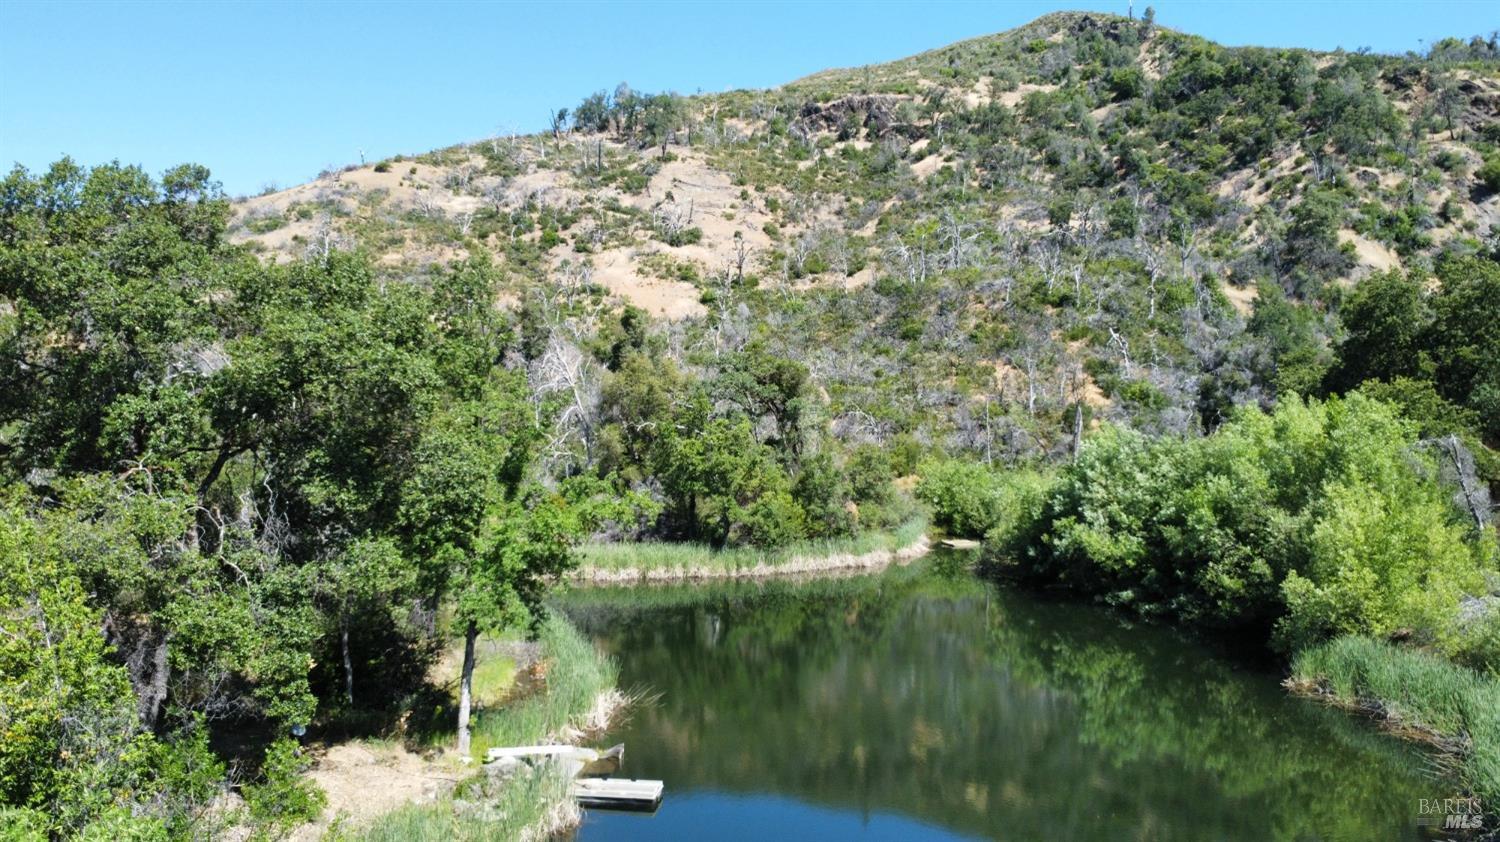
<point x="218" y="480"/>
<point x="663" y="555"/>
<point x="1317" y="527"/>
<point x="970" y="499"/>
<point x="1458" y="707"/>
<point x="1320" y="519"/>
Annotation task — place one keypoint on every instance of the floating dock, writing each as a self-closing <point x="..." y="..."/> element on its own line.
<point x="590" y="770"/>
<point x="959" y="544"/>
<point x="618" y="793"/>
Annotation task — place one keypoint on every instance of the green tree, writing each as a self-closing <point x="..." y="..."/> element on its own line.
<point x="1465" y="337"/>
<point x="1385" y="318"/>
<point x="767" y="385"/>
<point x="661" y="116"/>
<point x="74" y="755"/>
<point x="1291" y="357"/>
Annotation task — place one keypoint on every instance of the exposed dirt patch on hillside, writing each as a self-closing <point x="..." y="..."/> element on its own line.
<point x="1370" y="254"/>
<point x="617" y="272"/>
<point x="1241" y="298"/>
<point x="927" y="166"/>
<point x="1017" y="96"/>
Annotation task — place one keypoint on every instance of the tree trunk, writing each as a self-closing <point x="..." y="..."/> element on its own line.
<point x="1077" y="429"/>
<point x="144" y="651"/>
<point x="348" y="664"/>
<point x="466" y="689"/>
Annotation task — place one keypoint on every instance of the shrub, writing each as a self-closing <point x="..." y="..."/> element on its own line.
<point x="1489" y="174"/>
<point x="683" y="236"/>
<point x="1478" y="644"/>
<point x="265" y="224"/>
<point x="821" y="492"/>
<point x="282" y="799"/>
<point x="963" y="496"/>
<point x="971" y="500"/>
<point x="870" y="473"/>
<point x="1320" y="519"/>
<point x="773" y="520"/>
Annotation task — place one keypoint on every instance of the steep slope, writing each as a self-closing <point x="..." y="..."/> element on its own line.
<point x="967" y="245"/>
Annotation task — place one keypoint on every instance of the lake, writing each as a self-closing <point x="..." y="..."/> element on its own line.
<point x="922" y="703"/>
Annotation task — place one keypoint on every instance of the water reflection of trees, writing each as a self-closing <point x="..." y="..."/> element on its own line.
<point x="985" y="711"/>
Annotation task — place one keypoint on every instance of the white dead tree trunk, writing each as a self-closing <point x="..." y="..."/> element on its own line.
<point x="565" y="369"/>
<point x="1123" y="345"/>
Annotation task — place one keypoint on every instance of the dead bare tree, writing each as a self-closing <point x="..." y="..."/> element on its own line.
<point x="1456" y="468"/>
<point x="427" y="202"/>
<point x="565" y="370"/>
<point x="739" y="256"/>
<point x="1121" y="344"/>
<point x="326" y="239"/>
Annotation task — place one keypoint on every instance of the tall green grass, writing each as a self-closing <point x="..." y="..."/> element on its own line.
<point x="577" y="673"/>
<point x="529" y="803"/>
<point x="1415" y="689"/>
<point x="654" y="555"/>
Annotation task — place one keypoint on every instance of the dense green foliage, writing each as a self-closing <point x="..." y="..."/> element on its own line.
<point x="970" y="499"/>
<point x="244" y="475"/>
<point x="1399" y="329"/>
<point x="1315" y="520"/>
<point x="739" y="457"/>
<point x="74" y="757"/>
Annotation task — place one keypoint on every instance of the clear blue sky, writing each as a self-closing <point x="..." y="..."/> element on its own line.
<point x="268" y="93"/>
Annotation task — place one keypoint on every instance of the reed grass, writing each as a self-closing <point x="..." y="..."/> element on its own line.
<point x="577" y="676"/>
<point x="1459" y="709"/>
<point x="662" y="555"/>
<point x="528" y="806"/>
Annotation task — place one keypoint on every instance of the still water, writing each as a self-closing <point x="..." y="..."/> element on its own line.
<point x="924" y="704"/>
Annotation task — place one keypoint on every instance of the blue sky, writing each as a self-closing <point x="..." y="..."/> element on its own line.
<point x="271" y="93"/>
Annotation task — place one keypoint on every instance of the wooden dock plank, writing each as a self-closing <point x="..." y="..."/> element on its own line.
<point x="618" y="793"/>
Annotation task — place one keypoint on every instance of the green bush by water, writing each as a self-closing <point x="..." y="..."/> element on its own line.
<point x="968" y="499"/>
<point x="1321" y="519"/>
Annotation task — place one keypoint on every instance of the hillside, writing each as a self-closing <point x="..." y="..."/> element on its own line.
<point x="1083" y="210"/>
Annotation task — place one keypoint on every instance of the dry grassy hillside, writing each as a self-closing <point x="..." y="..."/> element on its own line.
<point x="1021" y="218"/>
<point x="412" y="213"/>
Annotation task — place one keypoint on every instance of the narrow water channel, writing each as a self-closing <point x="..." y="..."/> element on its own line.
<point x="924" y="704"/>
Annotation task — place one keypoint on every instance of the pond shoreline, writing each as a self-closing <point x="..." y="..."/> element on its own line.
<point x="571" y="706"/>
<point x="798" y="565"/>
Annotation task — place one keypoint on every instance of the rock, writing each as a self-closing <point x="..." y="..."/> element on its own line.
<point x="876" y="112"/>
<point x="1473" y="610"/>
